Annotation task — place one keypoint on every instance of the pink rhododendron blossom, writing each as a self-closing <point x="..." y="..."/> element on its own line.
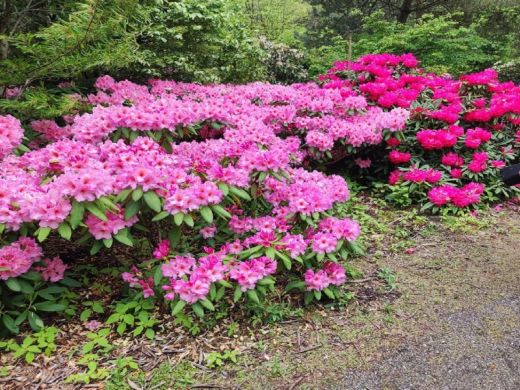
<point x="18" y="257"/>
<point x="53" y="270"/>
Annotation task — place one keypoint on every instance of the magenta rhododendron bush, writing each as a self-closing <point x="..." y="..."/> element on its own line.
<point x="460" y="133"/>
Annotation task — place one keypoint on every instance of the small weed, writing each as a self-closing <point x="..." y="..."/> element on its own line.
<point x="218" y="359"/>
<point x="389" y="277"/>
<point x="31" y="346"/>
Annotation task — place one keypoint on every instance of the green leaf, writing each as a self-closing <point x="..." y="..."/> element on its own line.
<point x="149" y="333"/>
<point x="85" y="314"/>
<point x="237" y="294"/>
<point x="122" y="237"/>
<point x="96" y="306"/>
<point x="153" y="201"/>
<point x="131" y="209"/>
<point x="121" y="328"/>
<point x="328" y="292"/>
<point x="50" y="306"/>
<point x="296" y="285"/>
<point x="252" y="295"/>
<point x="188" y="220"/>
<point x="129" y="319"/>
<point x="207" y="214"/>
<point x="43" y="233"/>
<point x="76" y="215"/>
<point x="13" y="284"/>
<point x="113" y="318"/>
<point x="224" y="188"/>
<point x="35" y="321"/>
<point x="221" y="211"/>
<point x="207" y="304"/>
<point x="198" y="310"/>
<point x="160" y="216"/>
<point x="96" y="247"/>
<point x="108" y="242"/>
<point x="240" y="193"/>
<point x="10" y="323"/>
<point x="137" y="194"/>
<point x="65" y="231"/>
<point x="96" y="211"/>
<point x="285" y="260"/>
<point x="178" y="218"/>
<point x="178" y="307"/>
<point x="157" y="275"/>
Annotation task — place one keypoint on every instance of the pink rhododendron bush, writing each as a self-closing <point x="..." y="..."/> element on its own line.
<point x="211" y="175"/>
<point x="460" y="133"/>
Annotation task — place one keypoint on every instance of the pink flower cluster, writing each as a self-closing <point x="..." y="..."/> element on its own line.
<point x="332" y="273"/>
<point x="459" y="197"/>
<point x="18" y="257"/>
<point x="444" y="115"/>
<point x="53" y="270"/>
<point x="105" y="229"/>
<point x="11" y="134"/>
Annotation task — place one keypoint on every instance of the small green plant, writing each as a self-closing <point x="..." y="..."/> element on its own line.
<point x="136" y="315"/>
<point x="31" y="346"/>
<point x="218" y="359"/>
<point x="93" y="373"/>
<point x="98" y="341"/>
<point x="91" y="307"/>
<point x="389" y="277"/>
<point x="123" y="367"/>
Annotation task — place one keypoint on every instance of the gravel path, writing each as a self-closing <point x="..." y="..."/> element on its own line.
<point x="465" y="356"/>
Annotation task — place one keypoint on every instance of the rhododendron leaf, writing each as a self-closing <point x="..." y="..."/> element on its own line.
<point x="266" y="281"/>
<point x="10" y="324"/>
<point x="207" y="214"/>
<point x="96" y="211"/>
<point x="35" y="321"/>
<point x="33" y="276"/>
<point x="137" y="194"/>
<point x="224" y="188"/>
<point x="157" y="275"/>
<point x="220" y="293"/>
<point x="285" y="259"/>
<point x="131" y="209"/>
<point x="253" y="296"/>
<point x="108" y="242"/>
<point x="221" y="211"/>
<point x="320" y="256"/>
<point x="188" y="220"/>
<point x="178" y="307"/>
<point x="356" y="248"/>
<point x="50" y="306"/>
<point x="249" y="252"/>
<point x="296" y="285"/>
<point x="212" y="291"/>
<point x="121" y="197"/>
<point x="69" y="282"/>
<point x="339" y="245"/>
<point x="299" y="259"/>
<point x="2" y="228"/>
<point x="207" y="304"/>
<point x="25" y="287"/>
<point x="21" y="318"/>
<point x="178" y="218"/>
<point x="329" y="293"/>
<point x="174" y="236"/>
<point x="160" y="216"/>
<point x="198" y="309"/>
<point x="122" y="237"/>
<point x="240" y="193"/>
<point x="13" y="284"/>
<point x="225" y="283"/>
<point x="96" y="247"/>
<point x="270" y="252"/>
<point x="332" y="257"/>
<point x="153" y="201"/>
<point x="65" y="231"/>
<point x="317" y="294"/>
<point x="43" y="233"/>
<point x="237" y="294"/>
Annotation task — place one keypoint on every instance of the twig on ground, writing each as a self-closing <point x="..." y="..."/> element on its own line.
<point x="309" y="348"/>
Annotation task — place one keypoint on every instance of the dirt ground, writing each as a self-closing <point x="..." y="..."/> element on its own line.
<point x="437" y="307"/>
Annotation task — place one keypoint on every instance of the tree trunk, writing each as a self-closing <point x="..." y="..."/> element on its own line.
<point x="404" y="11"/>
